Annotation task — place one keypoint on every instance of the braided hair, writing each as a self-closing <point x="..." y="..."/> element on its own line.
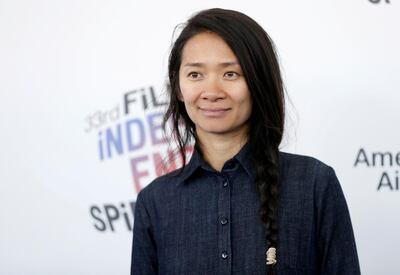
<point x="256" y="54"/>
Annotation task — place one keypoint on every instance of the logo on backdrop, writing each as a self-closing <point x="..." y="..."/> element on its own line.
<point x="131" y="129"/>
<point x="388" y="164"/>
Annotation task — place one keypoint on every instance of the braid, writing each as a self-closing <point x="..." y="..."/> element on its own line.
<point x="267" y="186"/>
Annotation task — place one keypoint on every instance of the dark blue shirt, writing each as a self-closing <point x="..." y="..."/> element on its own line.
<point x="202" y="221"/>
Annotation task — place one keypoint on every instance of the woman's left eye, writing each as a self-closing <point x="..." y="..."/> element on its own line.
<point x="231" y="74"/>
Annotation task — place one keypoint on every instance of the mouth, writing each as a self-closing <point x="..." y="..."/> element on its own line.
<point x="214" y="112"/>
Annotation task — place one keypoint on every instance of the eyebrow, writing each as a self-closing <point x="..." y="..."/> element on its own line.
<point x="199" y="64"/>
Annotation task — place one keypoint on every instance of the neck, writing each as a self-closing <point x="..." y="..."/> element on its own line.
<point x="218" y="149"/>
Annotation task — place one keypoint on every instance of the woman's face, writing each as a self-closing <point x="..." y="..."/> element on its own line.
<point x="213" y="87"/>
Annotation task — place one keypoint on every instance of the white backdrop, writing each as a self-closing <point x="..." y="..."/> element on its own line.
<point x="73" y="156"/>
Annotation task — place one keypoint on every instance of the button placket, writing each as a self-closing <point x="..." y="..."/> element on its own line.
<point x="224" y="213"/>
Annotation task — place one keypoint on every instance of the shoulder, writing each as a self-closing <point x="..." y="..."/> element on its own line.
<point x="297" y="160"/>
<point x="160" y="186"/>
<point x="303" y="165"/>
<point x="306" y="174"/>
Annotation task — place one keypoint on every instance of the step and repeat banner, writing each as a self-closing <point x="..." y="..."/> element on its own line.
<point x="83" y="93"/>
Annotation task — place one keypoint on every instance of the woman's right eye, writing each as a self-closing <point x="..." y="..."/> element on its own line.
<point x="194" y="75"/>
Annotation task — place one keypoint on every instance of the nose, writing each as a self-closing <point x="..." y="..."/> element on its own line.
<point x="212" y="90"/>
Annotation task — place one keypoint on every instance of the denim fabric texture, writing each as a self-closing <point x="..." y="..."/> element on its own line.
<point x="202" y="221"/>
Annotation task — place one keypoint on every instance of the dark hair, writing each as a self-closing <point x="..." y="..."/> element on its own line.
<point x="257" y="57"/>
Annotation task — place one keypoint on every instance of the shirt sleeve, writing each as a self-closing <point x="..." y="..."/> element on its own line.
<point x="144" y="252"/>
<point x="336" y="243"/>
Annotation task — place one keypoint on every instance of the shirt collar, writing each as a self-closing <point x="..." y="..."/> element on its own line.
<point x="245" y="159"/>
<point x="197" y="161"/>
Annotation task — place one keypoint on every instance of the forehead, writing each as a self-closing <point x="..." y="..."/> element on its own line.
<point x="207" y="47"/>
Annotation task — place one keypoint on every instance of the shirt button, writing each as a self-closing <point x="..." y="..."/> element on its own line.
<point x="225" y="183"/>
<point x="224" y="221"/>
<point x="224" y="255"/>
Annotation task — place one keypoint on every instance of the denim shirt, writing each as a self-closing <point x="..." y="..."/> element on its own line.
<point x="202" y="221"/>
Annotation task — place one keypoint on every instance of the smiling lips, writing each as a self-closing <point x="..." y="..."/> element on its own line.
<point x="214" y="112"/>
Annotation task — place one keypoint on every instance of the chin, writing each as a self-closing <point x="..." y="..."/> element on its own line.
<point x="216" y="130"/>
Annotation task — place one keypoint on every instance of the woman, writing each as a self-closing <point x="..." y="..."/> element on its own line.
<point x="240" y="206"/>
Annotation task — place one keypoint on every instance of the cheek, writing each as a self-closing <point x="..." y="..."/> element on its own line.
<point x="249" y="108"/>
<point x="183" y="89"/>
<point x="245" y="107"/>
<point x="243" y="96"/>
<point x="245" y="101"/>
<point x="188" y="93"/>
